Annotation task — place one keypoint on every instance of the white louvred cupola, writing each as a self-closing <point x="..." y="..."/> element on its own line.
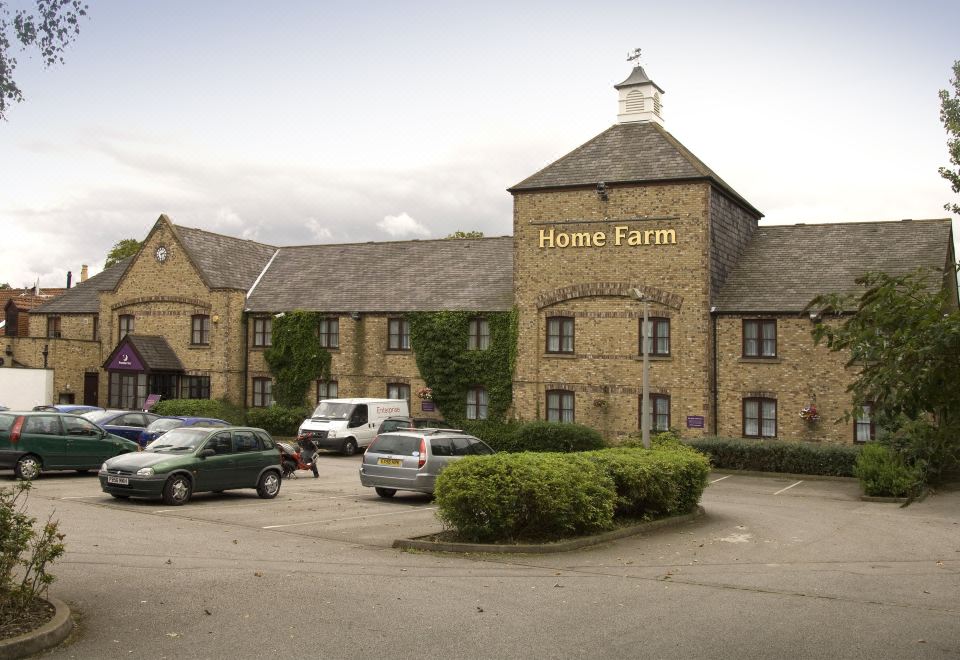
<point x="640" y="97"/>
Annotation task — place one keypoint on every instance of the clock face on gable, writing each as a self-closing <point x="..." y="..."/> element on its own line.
<point x="161" y="254"/>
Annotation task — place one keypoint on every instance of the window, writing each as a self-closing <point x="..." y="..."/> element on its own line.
<point x="126" y="325"/>
<point x="96" y="327"/>
<point x="164" y="384"/>
<point x="560" y="334"/>
<point x="560" y="406"/>
<point x="760" y="338"/>
<point x="327" y="389"/>
<point x="658" y="336"/>
<point x="759" y="418"/>
<point x="195" y="387"/>
<point x="479" y="338"/>
<point x="477" y="403"/>
<point x="127" y="390"/>
<point x="53" y="327"/>
<point x="263" y="332"/>
<point x="42" y="425"/>
<point x="221" y="443"/>
<point x="864" y="429"/>
<point x="398" y="391"/>
<point x="244" y="441"/>
<point x="328" y="331"/>
<point x="262" y="392"/>
<point x="659" y="412"/>
<point x="399" y="334"/>
<point x="200" y="330"/>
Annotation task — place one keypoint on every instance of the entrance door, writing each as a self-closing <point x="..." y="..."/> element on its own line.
<point x="91" y="387"/>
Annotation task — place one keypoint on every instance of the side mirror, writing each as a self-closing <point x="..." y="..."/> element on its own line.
<point x="206" y="453"/>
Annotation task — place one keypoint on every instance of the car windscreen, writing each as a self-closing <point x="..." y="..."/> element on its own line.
<point x="333" y="410"/>
<point x="401" y="445"/>
<point x="97" y="415"/>
<point x="164" y="424"/>
<point x="179" y="440"/>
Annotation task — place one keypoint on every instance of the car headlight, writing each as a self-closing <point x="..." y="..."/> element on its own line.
<point x="332" y="434"/>
<point x="103" y="468"/>
<point x="145" y="472"/>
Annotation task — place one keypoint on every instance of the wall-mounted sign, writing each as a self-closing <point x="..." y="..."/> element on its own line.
<point x="427" y="406"/>
<point x="125" y="360"/>
<point x="695" y="421"/>
<point x="622" y="235"/>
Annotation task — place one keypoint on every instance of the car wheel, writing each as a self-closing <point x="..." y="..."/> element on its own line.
<point x="385" y="492"/>
<point x="120" y="497"/>
<point x="28" y="467"/>
<point x="349" y="447"/>
<point x="269" y="485"/>
<point x="177" y="490"/>
<point x="288" y="467"/>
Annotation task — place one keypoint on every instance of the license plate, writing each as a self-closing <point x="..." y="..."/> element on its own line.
<point x="396" y="462"/>
<point x="120" y="481"/>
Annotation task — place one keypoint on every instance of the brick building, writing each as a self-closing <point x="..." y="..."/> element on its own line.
<point x="627" y="221"/>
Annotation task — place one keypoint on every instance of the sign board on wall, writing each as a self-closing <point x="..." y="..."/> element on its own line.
<point x="695" y="421"/>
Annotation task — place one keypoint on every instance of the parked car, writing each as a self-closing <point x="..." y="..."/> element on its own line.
<point x="412" y="459"/>
<point x="127" y="424"/>
<point x="396" y="423"/>
<point x="74" y="408"/>
<point x="190" y="460"/>
<point x="161" y="425"/>
<point x="35" y="442"/>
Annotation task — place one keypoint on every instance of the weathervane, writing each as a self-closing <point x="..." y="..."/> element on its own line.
<point x="635" y="55"/>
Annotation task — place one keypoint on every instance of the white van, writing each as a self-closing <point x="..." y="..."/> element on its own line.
<point x="347" y="424"/>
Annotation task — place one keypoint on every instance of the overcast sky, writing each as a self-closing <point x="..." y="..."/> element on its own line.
<point x="311" y="121"/>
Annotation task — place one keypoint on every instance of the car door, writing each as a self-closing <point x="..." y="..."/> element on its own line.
<point x="87" y="446"/>
<point x="43" y="435"/>
<point x="250" y="459"/>
<point x="216" y="472"/>
<point x="360" y="426"/>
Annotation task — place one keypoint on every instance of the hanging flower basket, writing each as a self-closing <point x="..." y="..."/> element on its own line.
<point x="810" y="414"/>
<point x="425" y="394"/>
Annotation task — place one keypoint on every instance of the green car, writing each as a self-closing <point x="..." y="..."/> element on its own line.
<point x="35" y="442"/>
<point x="189" y="460"/>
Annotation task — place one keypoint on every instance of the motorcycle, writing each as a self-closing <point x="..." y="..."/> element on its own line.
<point x="291" y="459"/>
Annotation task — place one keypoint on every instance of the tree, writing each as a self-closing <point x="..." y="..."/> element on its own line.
<point x="4" y="286"/>
<point x="121" y="250"/>
<point x="903" y="341"/>
<point x="950" y="116"/>
<point x="49" y="28"/>
<point x="466" y="234"/>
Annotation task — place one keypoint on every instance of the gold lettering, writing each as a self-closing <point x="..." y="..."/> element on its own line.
<point x="563" y="240"/>
<point x="581" y="239"/>
<point x="619" y="232"/>
<point x="545" y="237"/>
<point x="635" y="238"/>
<point x="666" y="234"/>
<point x="646" y="236"/>
<point x="599" y="239"/>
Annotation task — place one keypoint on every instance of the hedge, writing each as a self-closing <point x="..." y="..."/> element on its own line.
<point x="217" y="408"/>
<point x="546" y="496"/>
<point x="535" y="436"/>
<point x="884" y="473"/>
<point x="278" y="420"/>
<point x="779" y="456"/>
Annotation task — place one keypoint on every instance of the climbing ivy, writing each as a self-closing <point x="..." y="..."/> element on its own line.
<point x="439" y="340"/>
<point x="296" y="357"/>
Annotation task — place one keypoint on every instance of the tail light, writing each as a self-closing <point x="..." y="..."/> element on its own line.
<point x="15" y="430"/>
<point x="423" y="453"/>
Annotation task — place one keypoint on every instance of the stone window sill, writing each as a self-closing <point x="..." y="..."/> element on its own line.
<point x="654" y="358"/>
<point x="560" y="356"/>
<point x="752" y="360"/>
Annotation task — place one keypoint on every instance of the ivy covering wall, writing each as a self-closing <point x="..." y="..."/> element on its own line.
<point x="439" y="341"/>
<point x="296" y="358"/>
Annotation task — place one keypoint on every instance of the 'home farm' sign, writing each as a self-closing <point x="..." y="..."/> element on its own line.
<point x="621" y="235"/>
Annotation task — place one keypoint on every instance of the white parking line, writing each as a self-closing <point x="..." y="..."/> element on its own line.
<point x="330" y="520"/>
<point x="721" y="478"/>
<point x="237" y="505"/>
<point x="788" y="487"/>
<point x="83" y="497"/>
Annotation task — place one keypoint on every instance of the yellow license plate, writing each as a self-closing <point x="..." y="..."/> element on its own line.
<point x="396" y="462"/>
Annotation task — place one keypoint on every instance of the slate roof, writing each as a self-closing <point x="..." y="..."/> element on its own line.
<point x="154" y="351"/>
<point x="401" y="276"/>
<point x="226" y="262"/>
<point x="627" y="153"/>
<point x="84" y="297"/>
<point x="784" y="267"/>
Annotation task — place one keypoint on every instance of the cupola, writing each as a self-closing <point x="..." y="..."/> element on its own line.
<point x="639" y="99"/>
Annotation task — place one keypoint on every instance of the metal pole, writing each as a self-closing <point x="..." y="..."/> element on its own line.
<point x="645" y="405"/>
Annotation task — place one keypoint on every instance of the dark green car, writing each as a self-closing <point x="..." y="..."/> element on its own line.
<point x="189" y="460"/>
<point x="35" y="442"/>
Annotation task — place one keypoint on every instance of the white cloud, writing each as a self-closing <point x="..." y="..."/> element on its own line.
<point x="402" y="225"/>
<point x="318" y="231"/>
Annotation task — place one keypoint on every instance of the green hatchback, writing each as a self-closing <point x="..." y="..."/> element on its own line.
<point x="190" y="460"/>
<point x="35" y="442"/>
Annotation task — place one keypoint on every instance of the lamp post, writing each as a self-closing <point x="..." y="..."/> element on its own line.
<point x="645" y="388"/>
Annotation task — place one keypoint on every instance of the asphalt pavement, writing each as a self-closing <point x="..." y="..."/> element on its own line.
<point x="777" y="568"/>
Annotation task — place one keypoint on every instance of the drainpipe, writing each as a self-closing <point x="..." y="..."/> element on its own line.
<point x="716" y="375"/>
<point x="246" y="358"/>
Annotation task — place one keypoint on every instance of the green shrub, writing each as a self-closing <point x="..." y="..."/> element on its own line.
<point x="24" y="553"/>
<point x="527" y="496"/>
<point x="218" y="408"/>
<point x="278" y="420"/>
<point x="652" y="483"/>
<point x="554" y="437"/>
<point x="778" y="456"/>
<point x="499" y="435"/>
<point x="884" y="473"/>
<point x="935" y="450"/>
<point x="662" y="440"/>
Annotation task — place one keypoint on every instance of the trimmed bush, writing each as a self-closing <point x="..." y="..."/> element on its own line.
<point x="499" y="435"/>
<point x="554" y="437"/>
<point x="218" y="408"/>
<point x="528" y="496"/>
<point x="278" y="420"/>
<point x="883" y="473"/>
<point x="777" y="456"/>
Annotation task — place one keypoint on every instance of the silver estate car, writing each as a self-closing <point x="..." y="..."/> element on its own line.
<point x="411" y="459"/>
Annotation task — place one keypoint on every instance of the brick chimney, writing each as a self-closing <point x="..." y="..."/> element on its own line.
<point x="83" y="273"/>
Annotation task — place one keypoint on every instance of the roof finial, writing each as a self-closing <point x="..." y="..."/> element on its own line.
<point x="634" y="55"/>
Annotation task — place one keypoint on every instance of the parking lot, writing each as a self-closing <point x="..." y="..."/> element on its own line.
<point x="777" y="567"/>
